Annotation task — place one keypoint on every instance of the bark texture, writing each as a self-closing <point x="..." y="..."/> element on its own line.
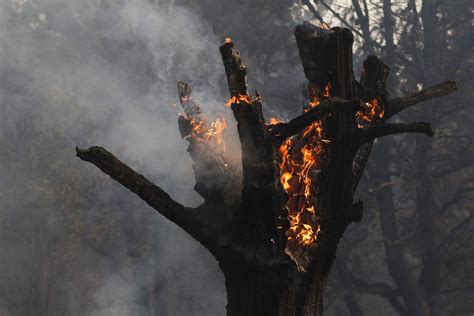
<point x="244" y="222"/>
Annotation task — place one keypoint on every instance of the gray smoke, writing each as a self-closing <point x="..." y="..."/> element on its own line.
<point x="100" y="73"/>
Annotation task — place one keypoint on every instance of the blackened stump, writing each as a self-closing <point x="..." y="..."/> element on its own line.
<point x="246" y="228"/>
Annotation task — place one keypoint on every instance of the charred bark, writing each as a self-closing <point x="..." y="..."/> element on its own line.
<point x="276" y="249"/>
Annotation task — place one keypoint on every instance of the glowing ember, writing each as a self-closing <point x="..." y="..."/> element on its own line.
<point x="371" y="111"/>
<point x="327" y="90"/>
<point x="274" y="120"/>
<point x="314" y="102"/>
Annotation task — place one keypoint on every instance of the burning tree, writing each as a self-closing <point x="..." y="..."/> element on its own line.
<point x="274" y="224"/>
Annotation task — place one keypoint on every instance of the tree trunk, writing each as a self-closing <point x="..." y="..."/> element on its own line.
<point x="275" y="225"/>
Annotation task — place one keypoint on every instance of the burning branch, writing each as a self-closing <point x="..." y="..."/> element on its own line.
<point x="373" y="132"/>
<point x="372" y="86"/>
<point x="256" y="150"/>
<point x="281" y="131"/>
<point x="215" y="173"/>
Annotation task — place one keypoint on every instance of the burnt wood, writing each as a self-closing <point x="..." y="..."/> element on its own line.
<point x="248" y="235"/>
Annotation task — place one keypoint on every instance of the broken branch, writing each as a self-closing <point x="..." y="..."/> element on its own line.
<point x="373" y="132"/>
<point x="152" y="194"/>
<point x="396" y="105"/>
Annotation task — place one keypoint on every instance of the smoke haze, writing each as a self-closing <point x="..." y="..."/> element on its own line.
<point x="104" y="72"/>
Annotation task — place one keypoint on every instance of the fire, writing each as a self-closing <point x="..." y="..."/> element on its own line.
<point x="215" y="131"/>
<point x="315" y="100"/>
<point x="285" y="178"/>
<point x="200" y="131"/>
<point x="327" y="90"/>
<point x="241" y="98"/>
<point x="372" y="111"/>
<point x="299" y="167"/>
<point x="274" y="120"/>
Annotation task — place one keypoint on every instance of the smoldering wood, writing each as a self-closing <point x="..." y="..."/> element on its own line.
<point x="247" y="236"/>
<point x="372" y="85"/>
<point x="217" y="176"/>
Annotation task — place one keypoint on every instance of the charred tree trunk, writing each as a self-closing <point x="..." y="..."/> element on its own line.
<point x="275" y="225"/>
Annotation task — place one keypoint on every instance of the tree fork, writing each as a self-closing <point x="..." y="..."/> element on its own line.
<point x="267" y="273"/>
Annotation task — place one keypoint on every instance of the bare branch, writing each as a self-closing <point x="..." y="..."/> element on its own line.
<point x="373" y="132"/>
<point x="186" y="218"/>
<point x="367" y="39"/>
<point x="281" y="131"/>
<point x="313" y="10"/>
<point x="362" y="20"/>
<point x="396" y="105"/>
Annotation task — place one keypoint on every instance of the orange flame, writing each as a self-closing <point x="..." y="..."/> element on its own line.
<point x="215" y="131"/>
<point x="274" y="120"/>
<point x="200" y="132"/>
<point x="241" y="98"/>
<point x="372" y="110"/>
<point x="298" y="179"/>
<point x="327" y="90"/>
<point x="315" y="100"/>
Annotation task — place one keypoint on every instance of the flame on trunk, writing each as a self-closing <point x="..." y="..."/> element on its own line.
<point x="241" y="98"/>
<point x="301" y="159"/>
